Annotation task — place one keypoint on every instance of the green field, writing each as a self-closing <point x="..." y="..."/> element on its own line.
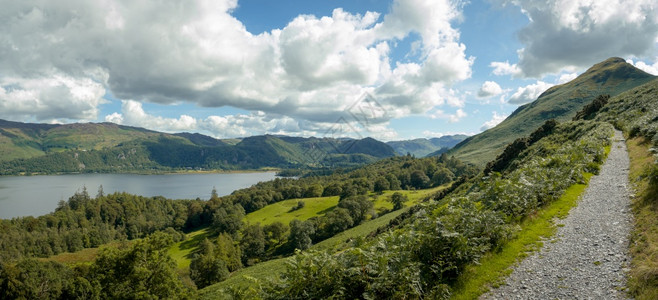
<point x="281" y="211"/>
<point x="244" y="278"/>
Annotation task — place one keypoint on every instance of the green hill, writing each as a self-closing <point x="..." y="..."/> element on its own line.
<point x="422" y="147"/>
<point x="107" y="147"/>
<point x="612" y="76"/>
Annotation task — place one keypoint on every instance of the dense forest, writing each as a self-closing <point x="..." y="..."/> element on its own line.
<point x="85" y="221"/>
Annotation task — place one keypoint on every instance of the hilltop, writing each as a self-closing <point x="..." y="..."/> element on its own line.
<point x="612" y="77"/>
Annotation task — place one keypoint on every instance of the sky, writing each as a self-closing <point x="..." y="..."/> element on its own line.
<point x="391" y="70"/>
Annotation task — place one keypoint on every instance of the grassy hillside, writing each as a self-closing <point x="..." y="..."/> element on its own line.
<point x="423" y="147"/>
<point x="636" y="113"/>
<point x="23" y="140"/>
<point x="612" y="76"/>
<point x="107" y="147"/>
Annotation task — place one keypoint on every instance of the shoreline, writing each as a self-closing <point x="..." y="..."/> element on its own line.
<point x="167" y="172"/>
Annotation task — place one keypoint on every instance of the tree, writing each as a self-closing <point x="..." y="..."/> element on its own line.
<point x="207" y="268"/>
<point x="213" y="193"/>
<point x="144" y="270"/>
<point x="315" y="190"/>
<point x="33" y="279"/>
<point x="335" y="221"/>
<point x="398" y="200"/>
<point x="358" y="207"/>
<point x="228" y="218"/>
<point x="419" y="180"/>
<point x="333" y="189"/>
<point x="442" y="176"/>
<point x="274" y="233"/>
<point x="228" y="251"/>
<point x="300" y="234"/>
<point x="381" y="184"/>
<point x="252" y="243"/>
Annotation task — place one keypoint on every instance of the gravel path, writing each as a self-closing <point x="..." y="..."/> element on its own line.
<point x="587" y="258"/>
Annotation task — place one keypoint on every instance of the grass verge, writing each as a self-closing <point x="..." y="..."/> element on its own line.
<point x="494" y="267"/>
<point x="643" y="276"/>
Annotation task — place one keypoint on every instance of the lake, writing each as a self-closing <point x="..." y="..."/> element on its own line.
<point x="39" y="195"/>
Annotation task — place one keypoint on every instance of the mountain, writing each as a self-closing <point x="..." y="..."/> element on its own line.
<point x="561" y="102"/>
<point x="422" y="147"/>
<point x="108" y="147"/>
<point x="27" y="140"/>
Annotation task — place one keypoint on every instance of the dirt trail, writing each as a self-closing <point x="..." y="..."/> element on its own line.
<point x="588" y="256"/>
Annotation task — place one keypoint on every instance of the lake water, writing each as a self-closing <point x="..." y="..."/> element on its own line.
<point x="39" y="195"/>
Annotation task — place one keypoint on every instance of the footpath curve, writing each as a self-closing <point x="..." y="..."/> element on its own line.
<point x="588" y="256"/>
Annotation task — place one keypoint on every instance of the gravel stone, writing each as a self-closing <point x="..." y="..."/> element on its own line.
<point x="588" y="257"/>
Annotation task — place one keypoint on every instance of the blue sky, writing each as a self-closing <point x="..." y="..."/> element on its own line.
<point x="393" y="70"/>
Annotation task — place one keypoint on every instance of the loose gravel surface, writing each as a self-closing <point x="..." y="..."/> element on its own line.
<point x="588" y="256"/>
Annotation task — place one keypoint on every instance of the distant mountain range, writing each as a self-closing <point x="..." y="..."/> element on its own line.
<point x="423" y="147"/>
<point x="27" y="148"/>
<point x="612" y="77"/>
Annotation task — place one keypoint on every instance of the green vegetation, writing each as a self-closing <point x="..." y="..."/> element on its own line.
<point x="246" y="277"/>
<point x="390" y="229"/>
<point x="425" y="255"/>
<point x="493" y="267"/>
<point x="422" y="147"/>
<point x="282" y="211"/>
<point x="78" y="148"/>
<point x="636" y="113"/>
<point x="560" y="102"/>
<point x="643" y="277"/>
<point x="140" y="270"/>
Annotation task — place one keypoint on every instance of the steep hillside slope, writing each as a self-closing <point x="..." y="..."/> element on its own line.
<point x="612" y="76"/>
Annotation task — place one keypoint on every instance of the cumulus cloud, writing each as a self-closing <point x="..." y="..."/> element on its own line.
<point x="49" y="98"/>
<point x="495" y="120"/>
<point x="196" y="51"/>
<point x="651" y="69"/>
<point x="505" y="68"/>
<point x="529" y="92"/>
<point x="580" y="33"/>
<point x="132" y="113"/>
<point x="433" y="134"/>
<point x="241" y="125"/>
<point x="489" y="89"/>
<point x="564" y="78"/>
<point x="452" y="118"/>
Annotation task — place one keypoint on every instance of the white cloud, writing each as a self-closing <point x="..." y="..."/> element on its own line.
<point x="196" y="51"/>
<point x="651" y="69"/>
<point x="452" y="118"/>
<point x="529" y="93"/>
<point x="564" y="33"/>
<point x="489" y="89"/>
<point x="564" y="78"/>
<point x="132" y="113"/>
<point x="50" y="98"/>
<point x="433" y="134"/>
<point x="241" y="125"/>
<point x="505" y="68"/>
<point x="495" y="120"/>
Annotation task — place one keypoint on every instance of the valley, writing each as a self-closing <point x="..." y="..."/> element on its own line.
<point x="362" y="222"/>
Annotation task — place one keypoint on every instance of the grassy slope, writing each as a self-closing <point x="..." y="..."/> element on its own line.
<point x="21" y="140"/>
<point x="274" y="267"/>
<point x="561" y="102"/>
<point x="643" y="277"/>
<point x="280" y="211"/>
